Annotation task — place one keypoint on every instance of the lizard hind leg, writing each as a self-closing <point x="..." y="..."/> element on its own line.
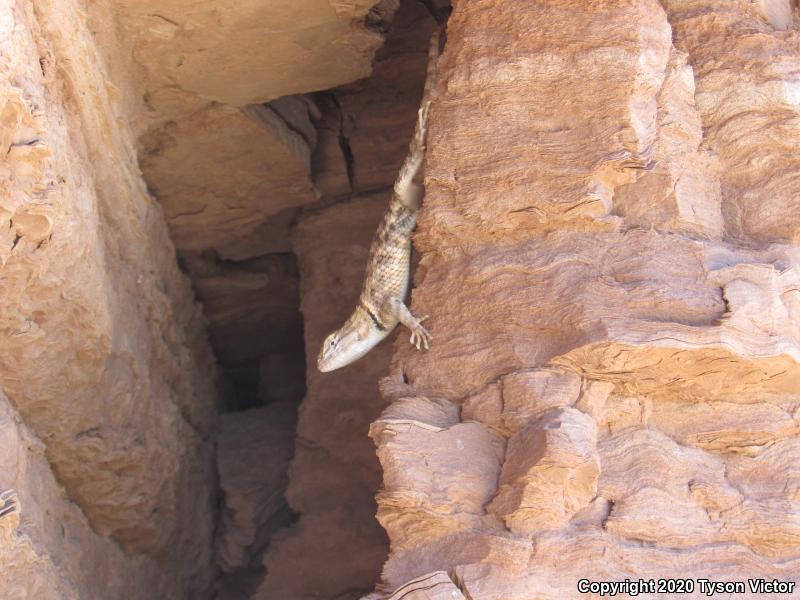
<point x="419" y="335"/>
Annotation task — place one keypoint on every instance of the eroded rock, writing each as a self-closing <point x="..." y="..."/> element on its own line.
<point x="104" y="353"/>
<point x="608" y="297"/>
<point x="48" y="548"/>
<point x="222" y="171"/>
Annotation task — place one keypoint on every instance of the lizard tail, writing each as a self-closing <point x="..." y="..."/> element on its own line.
<point x="407" y="187"/>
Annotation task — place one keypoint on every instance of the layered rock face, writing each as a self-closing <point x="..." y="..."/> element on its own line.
<point x="106" y="375"/>
<point x="48" y="549"/>
<point x="609" y="255"/>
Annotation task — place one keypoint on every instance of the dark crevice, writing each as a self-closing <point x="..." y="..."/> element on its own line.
<point x="253" y="304"/>
<point x="243" y="582"/>
<point x="254" y="325"/>
<point x="290" y="125"/>
<point x="378" y="20"/>
<point x="344" y="144"/>
<point x="439" y="10"/>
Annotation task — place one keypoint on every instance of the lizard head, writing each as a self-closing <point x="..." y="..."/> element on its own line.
<point x="347" y="344"/>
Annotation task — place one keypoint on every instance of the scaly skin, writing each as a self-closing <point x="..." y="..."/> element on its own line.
<point x="381" y="305"/>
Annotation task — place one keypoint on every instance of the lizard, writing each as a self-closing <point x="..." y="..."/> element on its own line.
<point x="381" y="304"/>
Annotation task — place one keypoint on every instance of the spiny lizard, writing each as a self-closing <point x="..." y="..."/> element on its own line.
<point x="381" y="305"/>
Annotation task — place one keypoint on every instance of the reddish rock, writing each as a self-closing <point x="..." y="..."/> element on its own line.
<point x="607" y="260"/>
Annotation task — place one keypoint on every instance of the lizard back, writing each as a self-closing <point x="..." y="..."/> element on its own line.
<point x="387" y="274"/>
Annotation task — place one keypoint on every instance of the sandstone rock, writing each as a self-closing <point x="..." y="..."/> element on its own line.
<point x="379" y="113"/>
<point x="681" y="190"/>
<point x="753" y="130"/>
<point x="221" y="171"/>
<point x="609" y="261"/>
<point x="441" y="474"/>
<point x="641" y="282"/>
<point x="556" y="157"/>
<point x="104" y="354"/>
<point x="270" y="237"/>
<point x="549" y="473"/>
<point x="434" y="586"/>
<point x="528" y="395"/>
<point x="252" y="52"/>
<point x="48" y="549"/>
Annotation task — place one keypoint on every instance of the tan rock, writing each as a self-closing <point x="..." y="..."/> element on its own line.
<point x="442" y="476"/>
<point x="549" y="473"/>
<point x="681" y="190"/>
<point x="104" y="354"/>
<point x="434" y="586"/>
<point x="551" y="163"/>
<point x="529" y="395"/>
<point x="253" y="52"/>
<point x="221" y="171"/>
<point x="379" y="113"/>
<point x="632" y="292"/>
<point x="486" y="406"/>
<point x="735" y="46"/>
<point x="48" y="548"/>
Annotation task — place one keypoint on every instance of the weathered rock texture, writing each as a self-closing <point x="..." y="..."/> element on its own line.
<point x="222" y="154"/>
<point x="105" y="359"/>
<point x="253" y="454"/>
<point x="104" y="356"/>
<point x="48" y="549"/>
<point x="609" y="255"/>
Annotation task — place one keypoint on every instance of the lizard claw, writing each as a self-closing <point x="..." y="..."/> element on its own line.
<point x="8" y="503"/>
<point x="419" y="335"/>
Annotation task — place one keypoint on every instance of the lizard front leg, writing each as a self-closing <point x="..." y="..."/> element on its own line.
<point x="419" y="335"/>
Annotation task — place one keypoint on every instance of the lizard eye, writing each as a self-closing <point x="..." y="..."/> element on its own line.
<point x="333" y="343"/>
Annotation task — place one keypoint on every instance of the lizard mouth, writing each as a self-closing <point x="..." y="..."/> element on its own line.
<point x="322" y="367"/>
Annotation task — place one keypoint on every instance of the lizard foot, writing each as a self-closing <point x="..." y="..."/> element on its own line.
<point x="419" y="335"/>
<point x="8" y="503"/>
